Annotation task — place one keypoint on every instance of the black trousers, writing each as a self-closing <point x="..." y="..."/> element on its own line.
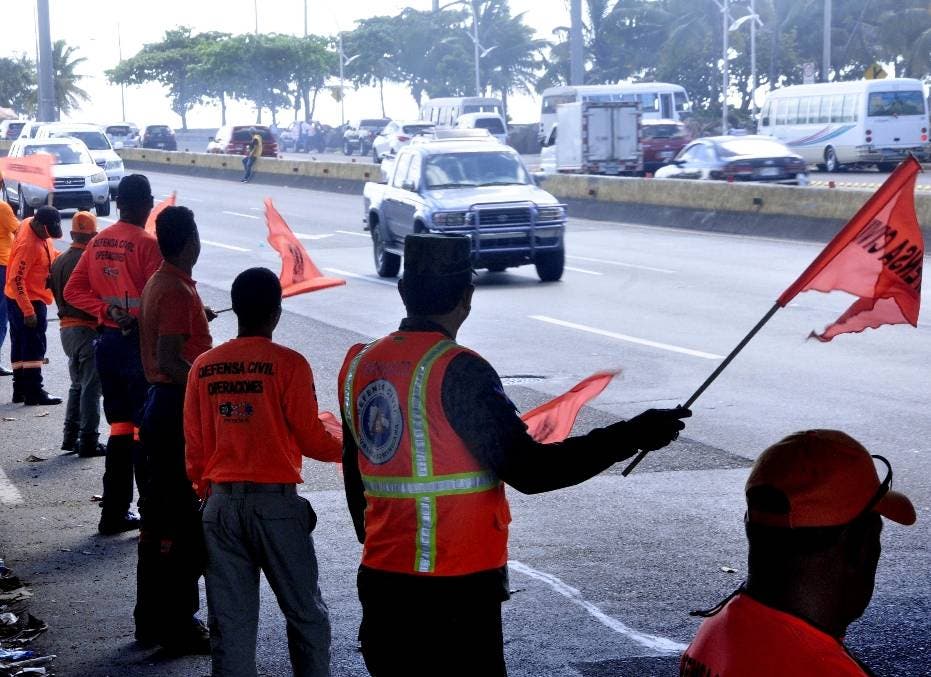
<point x="455" y="625"/>
<point x="171" y="545"/>
<point x="27" y="348"/>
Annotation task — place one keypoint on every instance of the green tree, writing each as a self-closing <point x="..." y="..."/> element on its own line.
<point x="68" y="95"/>
<point x="18" y="83"/>
<point x="374" y="44"/>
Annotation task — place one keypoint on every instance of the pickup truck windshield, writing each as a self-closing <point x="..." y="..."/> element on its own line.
<point x="468" y="170"/>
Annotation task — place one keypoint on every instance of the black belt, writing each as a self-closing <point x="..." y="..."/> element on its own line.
<point x="252" y="488"/>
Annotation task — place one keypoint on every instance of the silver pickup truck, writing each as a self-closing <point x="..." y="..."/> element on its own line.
<point x="478" y="188"/>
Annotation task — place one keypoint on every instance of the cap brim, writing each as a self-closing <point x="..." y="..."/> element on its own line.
<point x="897" y="507"/>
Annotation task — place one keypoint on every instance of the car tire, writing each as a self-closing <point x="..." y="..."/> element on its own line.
<point x="386" y="263"/>
<point x="885" y="167"/>
<point x="23" y="210"/>
<point x="831" y="163"/>
<point x="550" y="264"/>
<point x="103" y="208"/>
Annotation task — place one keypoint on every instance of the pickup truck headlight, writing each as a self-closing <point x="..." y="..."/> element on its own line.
<point x="114" y="164"/>
<point x="99" y="177"/>
<point x="450" y="218"/>
<point x="551" y="213"/>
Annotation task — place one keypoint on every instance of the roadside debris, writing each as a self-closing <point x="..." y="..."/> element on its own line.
<point x="18" y="628"/>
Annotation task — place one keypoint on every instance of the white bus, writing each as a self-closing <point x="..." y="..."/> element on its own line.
<point x="444" y="111"/>
<point x="862" y="122"/>
<point x="658" y="100"/>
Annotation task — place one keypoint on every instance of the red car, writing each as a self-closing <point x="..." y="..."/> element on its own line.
<point x="661" y="141"/>
<point x="234" y="140"/>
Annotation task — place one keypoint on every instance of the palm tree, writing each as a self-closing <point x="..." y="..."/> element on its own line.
<point x="68" y="96"/>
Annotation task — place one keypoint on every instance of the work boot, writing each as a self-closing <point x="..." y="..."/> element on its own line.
<point x="17" y="386"/>
<point x="40" y="398"/>
<point x="128" y="522"/>
<point x="89" y="447"/>
<point x="69" y="441"/>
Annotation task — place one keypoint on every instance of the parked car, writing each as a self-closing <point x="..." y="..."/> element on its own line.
<point x="465" y="186"/>
<point x="360" y="134"/>
<point x="10" y="129"/>
<point x="493" y="122"/>
<point x="661" y="141"/>
<point x="396" y="135"/>
<point x="97" y="143"/>
<point x="737" y="158"/>
<point x="159" y="137"/>
<point x="123" y="135"/>
<point x="79" y="182"/>
<point x="30" y="129"/>
<point x="234" y="140"/>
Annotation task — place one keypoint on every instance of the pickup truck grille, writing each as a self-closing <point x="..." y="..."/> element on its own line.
<point x="69" y="182"/>
<point x="504" y="217"/>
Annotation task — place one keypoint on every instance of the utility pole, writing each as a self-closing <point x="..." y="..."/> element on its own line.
<point x="46" y="77"/>
<point x="826" y="47"/>
<point x="436" y="5"/>
<point x="255" y="7"/>
<point x="305" y="18"/>
<point x="119" y="53"/>
<point x="576" y="48"/>
<point x="725" y="80"/>
<point x="478" y="73"/>
<point x="753" y="82"/>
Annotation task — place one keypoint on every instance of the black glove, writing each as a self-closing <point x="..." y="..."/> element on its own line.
<point x="654" y="428"/>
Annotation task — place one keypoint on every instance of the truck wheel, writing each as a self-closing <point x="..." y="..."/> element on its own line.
<point x="550" y="264"/>
<point x="885" y="166"/>
<point x="386" y="263"/>
<point x="103" y="208"/>
<point x="831" y="163"/>
<point x="23" y="210"/>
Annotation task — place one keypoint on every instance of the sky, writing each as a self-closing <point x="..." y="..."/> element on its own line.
<point x="101" y="29"/>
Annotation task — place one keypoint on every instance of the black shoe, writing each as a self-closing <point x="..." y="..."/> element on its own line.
<point x="96" y="451"/>
<point x="5" y="372"/>
<point x="193" y="642"/>
<point x="41" y="398"/>
<point x="108" y="527"/>
<point x="18" y="398"/>
<point x="69" y="442"/>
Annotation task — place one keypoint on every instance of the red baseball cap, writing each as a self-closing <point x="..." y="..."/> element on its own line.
<point x="821" y="478"/>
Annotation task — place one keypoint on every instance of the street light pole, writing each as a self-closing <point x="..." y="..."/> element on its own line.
<point x="576" y="65"/>
<point x="753" y="83"/>
<point x="342" y="92"/>
<point x="475" y="45"/>
<point x="46" y="77"/>
<point x="826" y="46"/>
<point x="305" y="18"/>
<point x="119" y="54"/>
<point x="725" y="81"/>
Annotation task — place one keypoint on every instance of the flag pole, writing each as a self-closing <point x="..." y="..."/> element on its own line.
<point x="223" y="310"/>
<point x="717" y="372"/>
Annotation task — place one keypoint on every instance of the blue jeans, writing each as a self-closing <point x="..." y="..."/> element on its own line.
<point x="3" y="313"/>
<point x="248" y="163"/>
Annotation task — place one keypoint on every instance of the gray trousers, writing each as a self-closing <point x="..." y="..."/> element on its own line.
<point x="246" y="533"/>
<point x="83" y="411"/>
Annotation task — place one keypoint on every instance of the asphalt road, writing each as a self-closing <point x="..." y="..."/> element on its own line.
<point x="604" y="573"/>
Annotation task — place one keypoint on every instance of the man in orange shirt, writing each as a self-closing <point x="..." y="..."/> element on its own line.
<point x="8" y="227"/>
<point x="250" y="414"/>
<point x="78" y="331"/>
<point x="108" y="283"/>
<point x="814" y="514"/>
<point x="172" y="333"/>
<point x="27" y="299"/>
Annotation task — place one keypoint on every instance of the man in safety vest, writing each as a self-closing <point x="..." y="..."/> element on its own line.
<point x="108" y="283"/>
<point x="815" y="505"/>
<point x="430" y="438"/>
<point x="27" y="299"/>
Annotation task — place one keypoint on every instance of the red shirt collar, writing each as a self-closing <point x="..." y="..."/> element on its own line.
<point x="177" y="272"/>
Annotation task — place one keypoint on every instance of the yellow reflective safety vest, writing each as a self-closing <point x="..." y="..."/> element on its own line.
<point x="431" y="507"/>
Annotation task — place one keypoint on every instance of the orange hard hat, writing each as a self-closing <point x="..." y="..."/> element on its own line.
<point x="85" y="223"/>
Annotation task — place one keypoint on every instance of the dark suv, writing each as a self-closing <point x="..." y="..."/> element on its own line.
<point x="360" y="134"/>
<point x="159" y="136"/>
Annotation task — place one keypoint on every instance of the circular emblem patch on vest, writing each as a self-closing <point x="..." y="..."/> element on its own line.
<point x="381" y="422"/>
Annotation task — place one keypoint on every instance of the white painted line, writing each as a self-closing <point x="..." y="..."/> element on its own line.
<point x="353" y="232"/>
<point x="356" y="276"/>
<point x="583" y="270"/>
<point x="245" y="216"/>
<point x="257" y="209"/>
<point x="660" y="645"/>
<point x="308" y="236"/>
<point x="619" y="263"/>
<point x="629" y="339"/>
<point x="9" y="494"/>
<point x="232" y="248"/>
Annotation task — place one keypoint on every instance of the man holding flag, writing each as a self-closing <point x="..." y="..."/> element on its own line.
<point x="429" y="438"/>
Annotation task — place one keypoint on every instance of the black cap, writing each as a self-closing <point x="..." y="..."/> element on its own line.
<point x="50" y="218"/>
<point x="433" y="255"/>
<point x="134" y="189"/>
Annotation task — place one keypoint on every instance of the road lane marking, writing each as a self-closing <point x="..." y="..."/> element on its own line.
<point x="630" y="339"/>
<point x="245" y="216"/>
<point x="660" y="645"/>
<point x="9" y="494"/>
<point x="231" y="247"/>
<point x="620" y="264"/>
<point x="308" y="236"/>
<point x="583" y="270"/>
<point x="356" y="276"/>
<point x="352" y="232"/>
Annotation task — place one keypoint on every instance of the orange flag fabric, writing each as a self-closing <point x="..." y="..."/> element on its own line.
<point x="35" y="170"/>
<point x="552" y="421"/>
<point x="878" y="257"/>
<point x="158" y="209"/>
<point x="299" y="275"/>
<point x="331" y="424"/>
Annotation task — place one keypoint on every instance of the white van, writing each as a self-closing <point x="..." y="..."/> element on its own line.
<point x="97" y="143"/>
<point x="444" y="111"/>
<point x="862" y="122"/>
<point x="493" y="122"/>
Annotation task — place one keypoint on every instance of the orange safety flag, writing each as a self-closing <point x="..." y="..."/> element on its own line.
<point x="158" y="209"/>
<point x="332" y="424"/>
<point x="36" y="170"/>
<point x="298" y="273"/>
<point x="878" y="257"/>
<point x="552" y="421"/>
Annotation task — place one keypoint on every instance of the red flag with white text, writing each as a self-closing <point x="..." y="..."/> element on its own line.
<point x="158" y="209"/>
<point x="299" y="275"/>
<point x="877" y="256"/>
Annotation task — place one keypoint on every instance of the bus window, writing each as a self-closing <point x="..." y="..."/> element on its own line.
<point x="551" y="102"/>
<point x="792" y="111"/>
<point x="896" y="103"/>
<point x="824" y="109"/>
<point x="837" y="107"/>
<point x="764" y="114"/>
<point x="781" y="106"/>
<point x="649" y="103"/>
<point x="850" y="108"/>
<point x="666" y="106"/>
<point x="683" y="105"/>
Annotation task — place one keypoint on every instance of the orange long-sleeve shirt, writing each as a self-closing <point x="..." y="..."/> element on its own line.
<point x="28" y="270"/>
<point x="119" y="260"/>
<point x="250" y="413"/>
<point x="8" y="227"/>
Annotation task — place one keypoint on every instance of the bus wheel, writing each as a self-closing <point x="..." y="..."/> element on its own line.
<point x="885" y="166"/>
<point x="830" y="160"/>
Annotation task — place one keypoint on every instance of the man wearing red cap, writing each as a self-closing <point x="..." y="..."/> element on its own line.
<point x="814" y="507"/>
<point x="78" y="331"/>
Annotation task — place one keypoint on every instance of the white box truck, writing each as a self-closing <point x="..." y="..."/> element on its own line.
<point x="592" y="137"/>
